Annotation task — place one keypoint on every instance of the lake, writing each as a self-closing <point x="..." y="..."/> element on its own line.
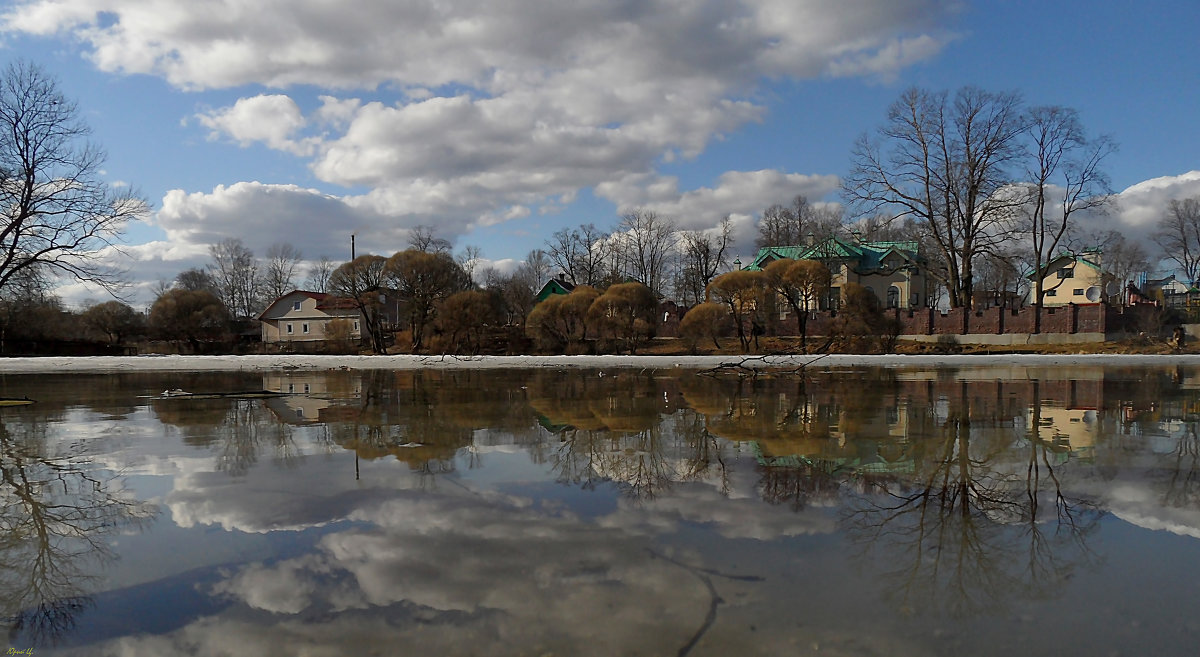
<point x="836" y="511"/>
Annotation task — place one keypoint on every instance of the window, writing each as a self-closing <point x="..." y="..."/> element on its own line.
<point x="1051" y="293"/>
<point x="289" y="328"/>
<point x="914" y="300"/>
<point x="1066" y="273"/>
<point x="893" y="296"/>
<point x="1077" y="292"/>
<point x="296" y="305"/>
<point x="356" y="325"/>
<point x="304" y="327"/>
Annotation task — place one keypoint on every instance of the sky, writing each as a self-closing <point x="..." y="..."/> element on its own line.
<point x="498" y="123"/>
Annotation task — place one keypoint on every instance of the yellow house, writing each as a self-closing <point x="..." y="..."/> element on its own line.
<point x="1074" y="278"/>
<point x="302" y="316"/>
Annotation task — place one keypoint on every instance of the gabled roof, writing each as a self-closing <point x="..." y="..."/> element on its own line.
<point x="325" y="302"/>
<point x="865" y="255"/>
<point x="554" y="286"/>
<point x="1079" y="258"/>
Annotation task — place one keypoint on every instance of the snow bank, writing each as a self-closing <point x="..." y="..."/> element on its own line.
<point x="294" y="362"/>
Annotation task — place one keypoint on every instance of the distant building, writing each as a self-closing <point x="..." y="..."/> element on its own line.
<point x="303" y="316"/>
<point x="894" y="271"/>
<point x="557" y="285"/>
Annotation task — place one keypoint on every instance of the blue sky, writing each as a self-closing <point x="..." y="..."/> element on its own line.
<point x="302" y="121"/>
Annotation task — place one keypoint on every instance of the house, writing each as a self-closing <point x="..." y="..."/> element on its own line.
<point x="1173" y="292"/>
<point x="1076" y="278"/>
<point x="303" y="316"/>
<point x="894" y="271"/>
<point x="559" y="285"/>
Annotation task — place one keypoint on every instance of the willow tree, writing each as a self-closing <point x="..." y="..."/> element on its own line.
<point x="800" y="283"/>
<point x="742" y="292"/>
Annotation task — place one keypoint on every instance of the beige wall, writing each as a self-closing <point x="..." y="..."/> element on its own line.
<point x="284" y="313"/>
<point x="1063" y="291"/>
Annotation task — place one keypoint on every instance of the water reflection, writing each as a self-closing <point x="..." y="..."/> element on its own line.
<point x="56" y="522"/>
<point x="452" y="509"/>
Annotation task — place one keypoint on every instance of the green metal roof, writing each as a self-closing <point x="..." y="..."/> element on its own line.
<point x="868" y="255"/>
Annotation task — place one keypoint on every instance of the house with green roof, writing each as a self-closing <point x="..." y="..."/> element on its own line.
<point x="894" y="271"/>
<point x="558" y="285"/>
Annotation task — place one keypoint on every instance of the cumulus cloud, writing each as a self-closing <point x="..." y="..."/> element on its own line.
<point x="314" y="222"/>
<point x="271" y="119"/>
<point x="494" y="46"/>
<point x="503" y="110"/>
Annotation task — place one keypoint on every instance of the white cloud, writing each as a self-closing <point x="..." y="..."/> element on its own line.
<point x="271" y="119"/>
<point x="500" y="46"/>
<point x="511" y="105"/>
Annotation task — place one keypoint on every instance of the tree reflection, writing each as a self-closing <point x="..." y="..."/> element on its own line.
<point x="55" y="523"/>
<point x="616" y="429"/>
<point x="240" y="430"/>
<point x="950" y="534"/>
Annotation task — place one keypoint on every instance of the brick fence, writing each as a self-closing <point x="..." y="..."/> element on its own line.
<point x="1094" y="318"/>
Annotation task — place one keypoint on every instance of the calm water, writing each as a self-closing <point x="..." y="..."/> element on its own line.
<point x="852" y="512"/>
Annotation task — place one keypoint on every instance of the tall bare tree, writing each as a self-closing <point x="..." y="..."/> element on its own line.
<point x="793" y="225"/>
<point x="283" y="261"/>
<point x="704" y="254"/>
<point x="56" y="211"/>
<point x="362" y="280"/>
<point x="942" y="162"/>
<point x="646" y="242"/>
<point x="422" y="238"/>
<point x="580" y="253"/>
<point x="234" y="270"/>
<point x="317" y="279"/>
<point x="1179" y="236"/>
<point x="1125" y="259"/>
<point x="1063" y="178"/>
<point x="469" y="260"/>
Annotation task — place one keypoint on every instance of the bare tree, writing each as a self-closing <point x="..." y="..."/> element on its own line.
<point x="422" y="238"/>
<point x="283" y="260"/>
<point x="234" y="270"/>
<point x="580" y="253"/>
<point x="942" y="164"/>
<point x="1063" y="179"/>
<point x="56" y="211"/>
<point x="319" y="272"/>
<point x="798" y="224"/>
<point x="362" y="280"/>
<point x="1179" y="236"/>
<point x="469" y="260"/>
<point x="535" y="270"/>
<point x="646" y="241"/>
<point x="195" y="279"/>
<point x="704" y="254"/>
<point x="1125" y="259"/>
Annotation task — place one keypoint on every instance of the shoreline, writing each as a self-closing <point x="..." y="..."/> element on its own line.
<point x="264" y="363"/>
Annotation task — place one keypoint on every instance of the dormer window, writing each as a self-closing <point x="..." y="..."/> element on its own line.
<point x="1066" y="273"/>
<point x="296" y="305"/>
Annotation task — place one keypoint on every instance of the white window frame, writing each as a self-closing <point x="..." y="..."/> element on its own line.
<point x="290" y="329"/>
<point x="296" y="305"/>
